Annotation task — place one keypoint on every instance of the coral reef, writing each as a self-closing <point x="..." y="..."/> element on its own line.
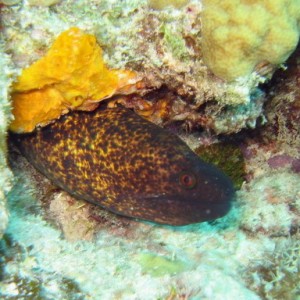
<point x="72" y="75"/>
<point x="279" y="137"/>
<point x="172" y="58"/>
<point x="5" y="117"/>
<point x="56" y="248"/>
<point x="283" y="105"/>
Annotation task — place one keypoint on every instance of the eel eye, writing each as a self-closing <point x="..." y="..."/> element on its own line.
<point x="187" y="180"/>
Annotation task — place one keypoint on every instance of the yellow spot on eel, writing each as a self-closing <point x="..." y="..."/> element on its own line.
<point x="116" y="159"/>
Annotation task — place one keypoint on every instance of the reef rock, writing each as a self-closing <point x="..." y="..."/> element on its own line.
<point x="5" y="117"/>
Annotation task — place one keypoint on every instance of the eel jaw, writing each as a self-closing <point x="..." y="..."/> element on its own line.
<point x="173" y="210"/>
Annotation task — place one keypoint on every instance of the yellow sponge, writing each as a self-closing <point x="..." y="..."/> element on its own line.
<point x="72" y="75"/>
<point x="239" y="35"/>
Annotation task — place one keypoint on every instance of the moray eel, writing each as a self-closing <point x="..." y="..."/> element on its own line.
<point x="116" y="159"/>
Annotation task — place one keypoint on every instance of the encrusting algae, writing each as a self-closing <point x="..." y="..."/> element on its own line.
<point x="72" y="75"/>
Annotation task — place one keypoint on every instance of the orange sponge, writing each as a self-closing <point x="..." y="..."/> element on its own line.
<point x="72" y="75"/>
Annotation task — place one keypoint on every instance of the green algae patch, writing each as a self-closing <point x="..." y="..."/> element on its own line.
<point x="162" y="4"/>
<point x="227" y="157"/>
<point x="174" y="42"/>
<point x="157" y="265"/>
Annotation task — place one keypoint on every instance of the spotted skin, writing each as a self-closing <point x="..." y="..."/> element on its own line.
<point x="114" y="158"/>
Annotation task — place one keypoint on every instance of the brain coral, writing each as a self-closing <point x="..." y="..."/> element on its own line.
<point x="239" y="35"/>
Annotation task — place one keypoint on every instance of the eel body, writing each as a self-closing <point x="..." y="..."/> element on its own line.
<point x="118" y="160"/>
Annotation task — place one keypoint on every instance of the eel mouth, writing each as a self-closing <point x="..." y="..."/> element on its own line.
<point x="176" y="210"/>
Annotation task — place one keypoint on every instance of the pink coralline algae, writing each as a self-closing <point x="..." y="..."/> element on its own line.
<point x="296" y="165"/>
<point x="284" y="161"/>
<point x="279" y="161"/>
